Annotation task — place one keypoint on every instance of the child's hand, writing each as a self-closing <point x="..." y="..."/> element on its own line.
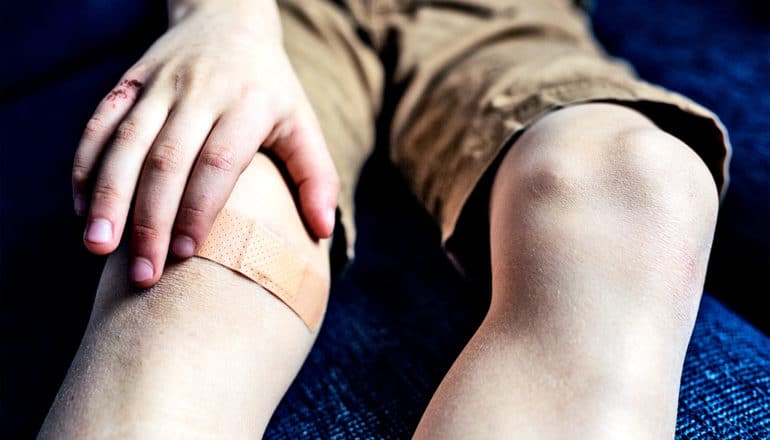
<point x="180" y="127"/>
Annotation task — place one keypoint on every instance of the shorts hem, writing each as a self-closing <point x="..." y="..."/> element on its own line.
<point x="673" y="113"/>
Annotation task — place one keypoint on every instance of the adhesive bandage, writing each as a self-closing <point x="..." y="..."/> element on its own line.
<point x="245" y="246"/>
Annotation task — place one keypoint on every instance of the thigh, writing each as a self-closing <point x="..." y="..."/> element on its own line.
<point x="479" y="72"/>
<point x="206" y="351"/>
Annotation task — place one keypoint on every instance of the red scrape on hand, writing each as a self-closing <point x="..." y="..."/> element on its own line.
<point x="120" y="92"/>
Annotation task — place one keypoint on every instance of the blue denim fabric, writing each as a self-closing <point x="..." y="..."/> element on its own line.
<point x="725" y="391"/>
<point x="399" y="315"/>
<point x="717" y="53"/>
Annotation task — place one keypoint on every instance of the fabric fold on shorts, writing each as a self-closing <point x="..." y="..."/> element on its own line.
<point x="471" y="75"/>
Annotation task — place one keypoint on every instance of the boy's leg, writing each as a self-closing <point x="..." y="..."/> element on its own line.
<point x="204" y="353"/>
<point x="600" y="226"/>
<point x="208" y="352"/>
<point x="597" y="217"/>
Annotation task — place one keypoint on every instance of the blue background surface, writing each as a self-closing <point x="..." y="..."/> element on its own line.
<point x="399" y="315"/>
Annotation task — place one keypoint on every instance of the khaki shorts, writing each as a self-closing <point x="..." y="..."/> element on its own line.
<point x="460" y="80"/>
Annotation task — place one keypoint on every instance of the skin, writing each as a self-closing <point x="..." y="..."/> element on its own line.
<point x="600" y="231"/>
<point x="182" y="125"/>
<point x="591" y="332"/>
<point x="204" y="353"/>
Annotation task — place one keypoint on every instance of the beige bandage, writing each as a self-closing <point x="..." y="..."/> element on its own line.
<point x="243" y="245"/>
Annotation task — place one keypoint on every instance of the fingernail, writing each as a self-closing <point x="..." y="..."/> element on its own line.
<point x="141" y="270"/>
<point x="330" y="214"/>
<point x="80" y="205"/>
<point x="99" y="231"/>
<point x="183" y="246"/>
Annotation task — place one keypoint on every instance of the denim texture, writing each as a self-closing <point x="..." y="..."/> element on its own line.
<point x="399" y="315"/>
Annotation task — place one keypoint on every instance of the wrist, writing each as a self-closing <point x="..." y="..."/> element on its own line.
<point x="259" y="15"/>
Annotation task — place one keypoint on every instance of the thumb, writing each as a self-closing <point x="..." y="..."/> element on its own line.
<point x="303" y="151"/>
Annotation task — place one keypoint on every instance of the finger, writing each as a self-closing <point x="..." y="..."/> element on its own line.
<point x="119" y="171"/>
<point x="228" y="150"/>
<point x="111" y="110"/>
<point x="160" y="189"/>
<point x="310" y="166"/>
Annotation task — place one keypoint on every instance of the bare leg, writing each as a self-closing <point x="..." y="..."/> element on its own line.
<point x="601" y="226"/>
<point x="206" y="353"/>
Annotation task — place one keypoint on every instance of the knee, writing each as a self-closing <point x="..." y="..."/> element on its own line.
<point x="608" y="159"/>
<point x="263" y="246"/>
<point x="607" y="196"/>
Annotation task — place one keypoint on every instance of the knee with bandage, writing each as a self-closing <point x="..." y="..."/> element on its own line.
<point x="260" y="235"/>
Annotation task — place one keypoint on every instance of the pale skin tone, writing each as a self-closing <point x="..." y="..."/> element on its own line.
<point x="600" y="228"/>
<point x="184" y="122"/>
<point x="205" y="353"/>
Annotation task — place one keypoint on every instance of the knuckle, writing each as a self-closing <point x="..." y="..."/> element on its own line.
<point x="165" y="157"/>
<point x="192" y="212"/>
<point x="138" y="70"/>
<point x="254" y="94"/>
<point x="94" y="127"/>
<point x="131" y="77"/>
<point x="222" y="159"/>
<point x="146" y="231"/>
<point x="107" y="193"/>
<point x="191" y="80"/>
<point x="192" y="217"/>
<point x="201" y="205"/>
<point x="217" y="78"/>
<point x="80" y="172"/>
<point x="179" y="79"/>
<point x="126" y="132"/>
